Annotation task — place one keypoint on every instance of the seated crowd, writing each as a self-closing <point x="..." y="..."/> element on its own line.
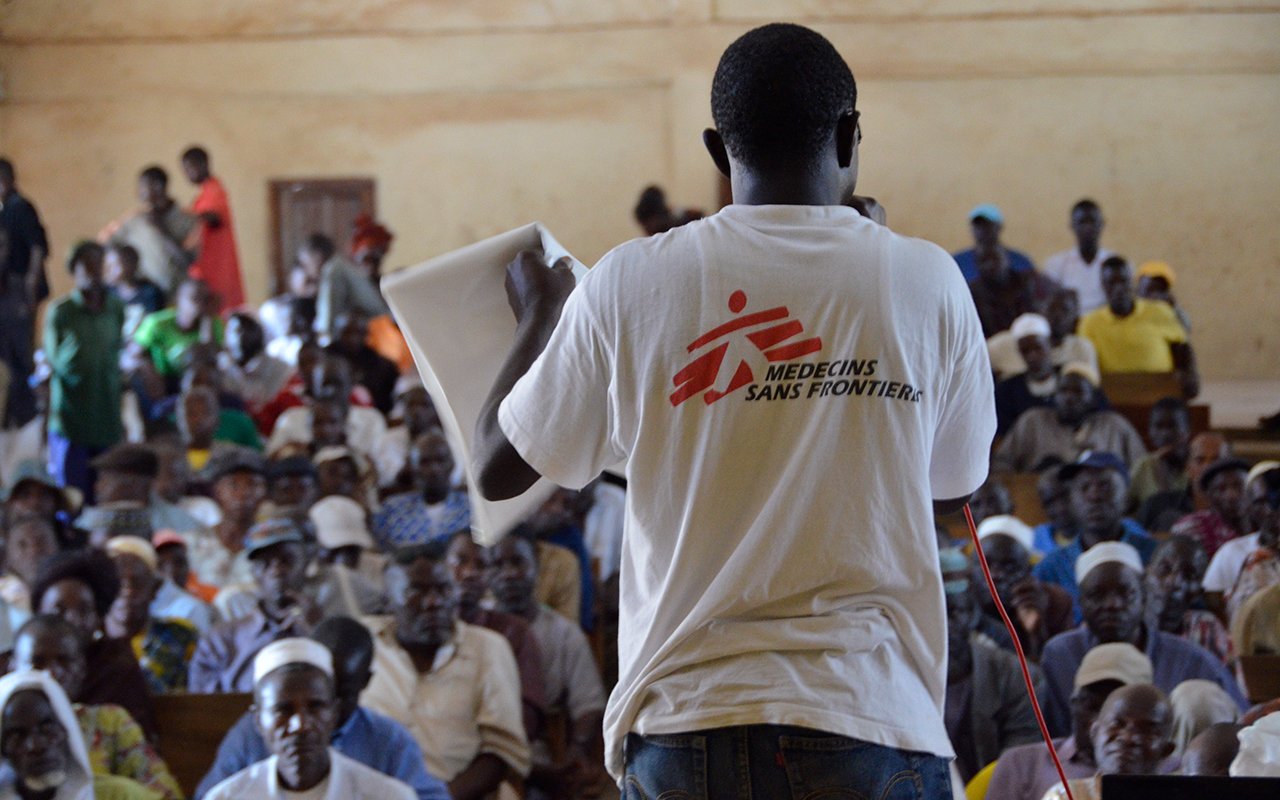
<point x="208" y="498"/>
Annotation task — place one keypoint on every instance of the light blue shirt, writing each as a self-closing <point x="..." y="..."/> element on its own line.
<point x="174" y="603"/>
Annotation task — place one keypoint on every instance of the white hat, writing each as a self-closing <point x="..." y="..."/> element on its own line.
<point x="1107" y="552"/>
<point x="340" y="522"/>
<point x="295" y="650"/>
<point x="1082" y="369"/>
<point x="1010" y="526"/>
<point x="1259" y="468"/>
<point x="1114" y="661"/>
<point x="1029" y="325"/>
<point x="135" y="546"/>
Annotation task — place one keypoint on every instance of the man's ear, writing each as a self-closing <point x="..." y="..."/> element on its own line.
<point x="846" y="138"/>
<point x="715" y="146"/>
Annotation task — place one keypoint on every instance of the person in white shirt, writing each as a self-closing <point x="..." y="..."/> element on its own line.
<point x="331" y="378"/>
<point x="1079" y="267"/>
<point x="790" y="384"/>
<point x="295" y="712"/>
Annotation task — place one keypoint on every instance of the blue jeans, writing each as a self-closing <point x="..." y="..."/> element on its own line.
<point x="777" y="762"/>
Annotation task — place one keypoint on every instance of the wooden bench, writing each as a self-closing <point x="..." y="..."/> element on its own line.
<point x="1132" y="394"/>
<point x="190" y="727"/>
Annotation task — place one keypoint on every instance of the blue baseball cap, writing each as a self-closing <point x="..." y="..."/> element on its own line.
<point x="1091" y="459"/>
<point x="989" y="211"/>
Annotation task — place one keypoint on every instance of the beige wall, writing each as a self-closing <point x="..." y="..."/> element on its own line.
<point x="478" y="116"/>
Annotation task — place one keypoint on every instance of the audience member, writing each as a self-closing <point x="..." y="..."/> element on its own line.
<point x="654" y="216"/>
<point x="237" y="483"/>
<point x="164" y="646"/>
<point x="160" y="230"/>
<point x="82" y="342"/>
<point x="44" y="752"/>
<point x="29" y="540"/>
<point x="296" y="713"/>
<point x="1211" y="752"/>
<point x="987" y="709"/>
<point x="139" y="295"/>
<point x="1038" y="610"/>
<point x="259" y="379"/>
<point x="127" y="473"/>
<point x="1260" y="568"/>
<point x="1222" y="485"/>
<point x="1027" y="771"/>
<point x="174" y="563"/>
<point x="454" y="686"/>
<point x="1001" y="294"/>
<point x="556" y="524"/>
<point x="343" y="587"/>
<point x="571" y="679"/>
<point x="276" y="313"/>
<point x="168" y="337"/>
<point x="1054" y="495"/>
<point x="1226" y="564"/>
<point x="1136" y="335"/>
<point x="80" y="587"/>
<point x="1198" y="704"/>
<point x="469" y="568"/>
<point x="172" y="600"/>
<point x="1163" y="509"/>
<point x="416" y="415"/>
<point x="368" y="368"/>
<point x="1155" y="283"/>
<point x="25" y="285"/>
<point x="358" y="733"/>
<point x="1132" y="735"/>
<point x="330" y="378"/>
<point x="1111" y="600"/>
<point x="986" y="223"/>
<point x="276" y="553"/>
<point x="292" y="485"/>
<point x="1175" y="596"/>
<point x="435" y="509"/>
<point x="992" y="499"/>
<point x="1079" y="268"/>
<point x="1062" y="312"/>
<point x="173" y="505"/>
<point x="217" y="264"/>
<point x="117" y="745"/>
<point x="1097" y="484"/>
<point x="1076" y="423"/>
<point x="341" y="285"/>
<point x="1035" y="385"/>
<point x="1165" y="468"/>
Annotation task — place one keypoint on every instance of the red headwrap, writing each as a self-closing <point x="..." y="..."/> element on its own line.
<point x="369" y="234"/>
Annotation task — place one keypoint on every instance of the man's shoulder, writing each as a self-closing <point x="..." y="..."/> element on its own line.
<point x="370" y="783"/>
<point x="240" y="784"/>
<point x="1066" y="645"/>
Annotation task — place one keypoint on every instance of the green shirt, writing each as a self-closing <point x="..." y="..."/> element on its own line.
<point x="167" y="344"/>
<point x="83" y="348"/>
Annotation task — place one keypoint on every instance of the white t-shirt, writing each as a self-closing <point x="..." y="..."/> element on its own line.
<point x="1071" y="271"/>
<point x="779" y="563"/>
<point x="1224" y="567"/>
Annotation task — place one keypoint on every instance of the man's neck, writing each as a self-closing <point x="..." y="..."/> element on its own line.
<point x="789" y="187"/>
<point x="1088" y="251"/>
<point x="1089" y="537"/>
<point x="1123" y="308"/>
<point x="317" y="773"/>
<point x="423" y="656"/>
<point x="231" y="533"/>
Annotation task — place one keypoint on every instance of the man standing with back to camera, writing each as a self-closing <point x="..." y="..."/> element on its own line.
<point x="791" y="384"/>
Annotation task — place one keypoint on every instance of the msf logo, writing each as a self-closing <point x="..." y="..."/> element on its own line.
<point x="768" y="331"/>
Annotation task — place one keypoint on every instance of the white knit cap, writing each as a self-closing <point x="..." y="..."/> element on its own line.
<point x="295" y="650"/>
<point x="1029" y="325"/>
<point x="1106" y="552"/>
<point x="340" y="522"/>
<point x="1008" y="525"/>
<point x="135" y="546"/>
<point x="1259" y="468"/>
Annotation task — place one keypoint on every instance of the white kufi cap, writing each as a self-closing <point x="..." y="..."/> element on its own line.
<point x="292" y="651"/>
<point x="1107" y="552"/>
<point x="1010" y="526"/>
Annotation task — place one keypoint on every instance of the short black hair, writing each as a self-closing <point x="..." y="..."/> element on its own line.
<point x="1173" y="405"/>
<point x="1114" y="262"/>
<point x="6" y="170"/>
<point x="321" y="244"/>
<point x="343" y="635"/>
<point x="652" y="203"/>
<point x="156" y="173"/>
<point x="126" y="253"/>
<point x="83" y="251"/>
<point x="777" y="95"/>
<point x="196" y="155"/>
<point x="50" y="623"/>
<point x="1085" y="204"/>
<point x="94" y="568"/>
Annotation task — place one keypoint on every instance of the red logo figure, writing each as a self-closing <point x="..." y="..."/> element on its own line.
<point x="701" y="373"/>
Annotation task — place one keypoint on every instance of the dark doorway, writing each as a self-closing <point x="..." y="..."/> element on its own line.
<point x="303" y="206"/>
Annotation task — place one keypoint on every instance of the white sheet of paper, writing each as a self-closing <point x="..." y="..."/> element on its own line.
<point x="453" y="311"/>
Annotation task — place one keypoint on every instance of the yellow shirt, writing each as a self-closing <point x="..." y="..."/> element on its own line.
<point x="1136" y="343"/>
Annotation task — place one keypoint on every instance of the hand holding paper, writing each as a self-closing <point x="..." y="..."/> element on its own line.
<point x="534" y="289"/>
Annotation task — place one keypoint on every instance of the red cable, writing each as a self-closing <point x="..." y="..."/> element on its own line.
<point x="1017" y="645"/>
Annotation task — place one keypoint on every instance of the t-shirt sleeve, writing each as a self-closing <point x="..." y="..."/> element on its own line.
<point x="1170" y="326"/>
<point x="560" y="416"/>
<point x="967" y="415"/>
<point x="1222" y="571"/>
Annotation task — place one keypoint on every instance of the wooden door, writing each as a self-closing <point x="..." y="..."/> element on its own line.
<point x="303" y="206"/>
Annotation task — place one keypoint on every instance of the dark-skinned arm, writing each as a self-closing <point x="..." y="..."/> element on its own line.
<point x="482" y="775"/>
<point x="1184" y="366"/>
<point x="536" y="294"/>
<point x="943" y="507"/>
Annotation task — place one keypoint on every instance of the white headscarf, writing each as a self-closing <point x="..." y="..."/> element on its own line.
<point x="79" y="783"/>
